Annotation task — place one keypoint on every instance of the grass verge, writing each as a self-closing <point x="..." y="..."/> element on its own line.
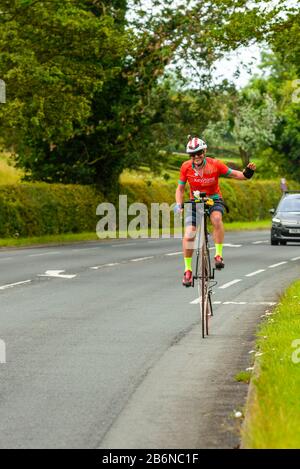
<point x="273" y="412"/>
<point x="248" y="225"/>
<point x="79" y="237"/>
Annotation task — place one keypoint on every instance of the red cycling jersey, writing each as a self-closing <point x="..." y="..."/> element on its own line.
<point x="205" y="179"/>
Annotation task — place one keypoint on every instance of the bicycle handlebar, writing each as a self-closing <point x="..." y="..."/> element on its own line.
<point x="206" y="200"/>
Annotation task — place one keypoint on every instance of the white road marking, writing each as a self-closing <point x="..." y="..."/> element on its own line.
<point x="232" y="245"/>
<point x="105" y="265"/>
<point x="57" y="274"/>
<point x="257" y="303"/>
<point x="277" y="265"/>
<point x="174" y="253"/>
<point x="229" y="284"/>
<point x="112" y="264"/>
<point x="141" y="259"/>
<point x="90" y="249"/>
<point x="120" y="245"/>
<point x="234" y="302"/>
<point x="44" y="254"/>
<point x="229" y="246"/>
<point x="260" y="242"/>
<point x="10" y="285"/>
<point x="196" y="301"/>
<point x="238" y="303"/>
<point x="6" y="258"/>
<point x="295" y="259"/>
<point x="265" y="303"/>
<point x="255" y="273"/>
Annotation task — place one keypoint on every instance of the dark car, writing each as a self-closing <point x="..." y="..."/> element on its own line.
<point x="286" y="219"/>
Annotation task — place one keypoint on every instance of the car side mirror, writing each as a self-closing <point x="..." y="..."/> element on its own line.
<point x="272" y="211"/>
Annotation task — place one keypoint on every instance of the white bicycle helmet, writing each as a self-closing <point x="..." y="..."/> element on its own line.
<point x="194" y="145"/>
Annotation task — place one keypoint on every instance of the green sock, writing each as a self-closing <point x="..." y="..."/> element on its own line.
<point x="188" y="263"/>
<point x="219" y="249"/>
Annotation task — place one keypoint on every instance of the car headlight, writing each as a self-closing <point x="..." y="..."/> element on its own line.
<point x="276" y="220"/>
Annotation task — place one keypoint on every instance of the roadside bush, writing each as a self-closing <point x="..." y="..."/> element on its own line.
<point x="38" y="209"/>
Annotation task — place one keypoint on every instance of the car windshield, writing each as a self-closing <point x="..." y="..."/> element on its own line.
<point x="290" y="204"/>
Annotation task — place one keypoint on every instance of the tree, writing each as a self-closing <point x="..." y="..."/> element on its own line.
<point x="82" y="81"/>
<point x="254" y="127"/>
<point x="283" y="84"/>
<point x="287" y="144"/>
<point x="248" y="124"/>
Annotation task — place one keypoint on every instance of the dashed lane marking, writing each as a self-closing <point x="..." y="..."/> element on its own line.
<point x="237" y="303"/>
<point x="277" y="265"/>
<point x="262" y="303"/>
<point x="57" y="273"/>
<point x="229" y="284"/>
<point x="295" y="259"/>
<point x="229" y="246"/>
<point x="174" y="253"/>
<point x="11" y="285"/>
<point x="196" y="301"/>
<point x="141" y="259"/>
<point x="260" y="242"/>
<point x="232" y="245"/>
<point x="255" y="273"/>
<point x="105" y="265"/>
<point x="86" y="249"/>
<point x="120" y="245"/>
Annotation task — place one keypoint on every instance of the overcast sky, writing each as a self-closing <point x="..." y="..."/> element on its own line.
<point x="246" y="59"/>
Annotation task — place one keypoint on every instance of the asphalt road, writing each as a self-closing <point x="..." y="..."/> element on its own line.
<point x="111" y="356"/>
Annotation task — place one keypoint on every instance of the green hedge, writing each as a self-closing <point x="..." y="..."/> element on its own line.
<point x="37" y="209"/>
<point x="247" y="200"/>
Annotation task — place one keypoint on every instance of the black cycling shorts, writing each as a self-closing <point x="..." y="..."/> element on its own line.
<point x="190" y="211"/>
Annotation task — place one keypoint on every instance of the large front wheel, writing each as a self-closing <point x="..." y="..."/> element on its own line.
<point x="204" y="291"/>
<point x="206" y="305"/>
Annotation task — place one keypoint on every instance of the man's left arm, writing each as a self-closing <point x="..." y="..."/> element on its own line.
<point x="242" y="175"/>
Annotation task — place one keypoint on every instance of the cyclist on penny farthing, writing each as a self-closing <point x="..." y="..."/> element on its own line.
<point x="202" y="173"/>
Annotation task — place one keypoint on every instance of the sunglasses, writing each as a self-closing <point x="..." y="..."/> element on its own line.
<point x="199" y="153"/>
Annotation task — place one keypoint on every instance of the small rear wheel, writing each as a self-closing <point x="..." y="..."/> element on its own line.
<point x="274" y="242"/>
<point x="283" y="243"/>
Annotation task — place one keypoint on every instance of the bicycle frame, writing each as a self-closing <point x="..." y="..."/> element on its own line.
<point x="202" y="240"/>
<point x="204" y="273"/>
